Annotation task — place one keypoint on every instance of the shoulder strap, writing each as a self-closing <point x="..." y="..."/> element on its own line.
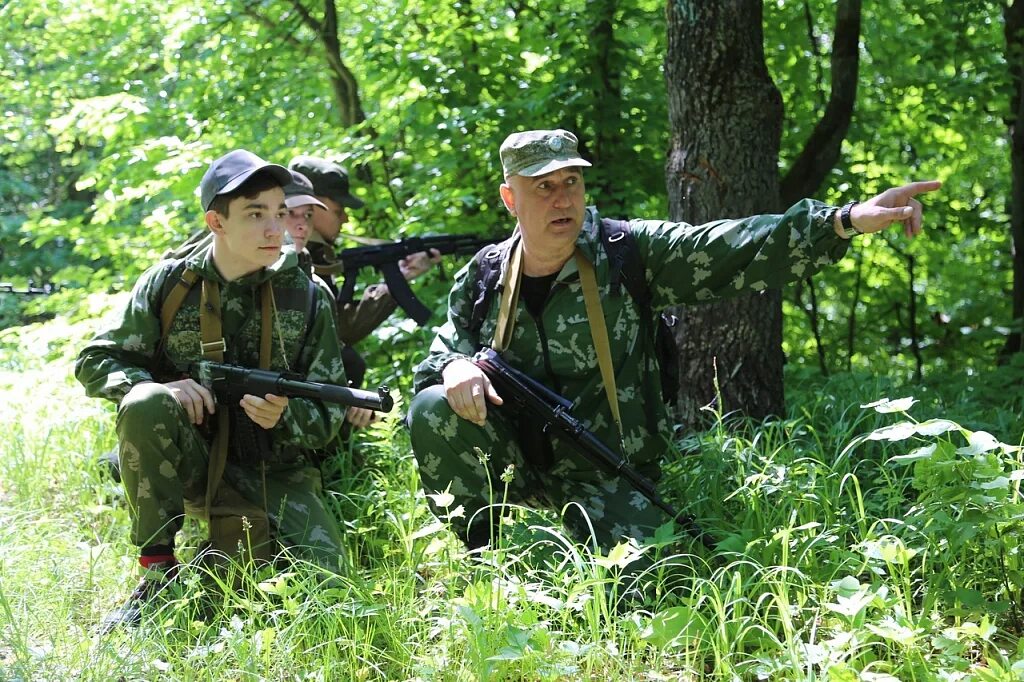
<point x="599" y="334"/>
<point x="171" y="304"/>
<point x="488" y="270"/>
<point x="626" y="267"/>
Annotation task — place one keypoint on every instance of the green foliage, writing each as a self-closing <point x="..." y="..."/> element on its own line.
<point x="854" y="543"/>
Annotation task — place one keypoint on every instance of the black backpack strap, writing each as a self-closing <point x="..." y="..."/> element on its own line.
<point x="488" y="262"/>
<point x="310" y="316"/>
<point x="626" y="267"/>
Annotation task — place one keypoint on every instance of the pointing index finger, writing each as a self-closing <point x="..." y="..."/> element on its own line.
<point x="921" y="186"/>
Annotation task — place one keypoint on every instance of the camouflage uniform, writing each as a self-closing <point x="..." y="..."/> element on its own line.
<point x="164" y="457"/>
<point x="355" y="320"/>
<point x="683" y="265"/>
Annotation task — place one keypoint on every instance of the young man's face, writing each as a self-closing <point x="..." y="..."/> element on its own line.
<point x="298" y="223"/>
<point x="250" y="237"/>
<point x="328" y="221"/>
<point x="550" y="208"/>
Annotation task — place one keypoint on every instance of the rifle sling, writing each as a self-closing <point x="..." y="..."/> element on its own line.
<point x="509" y="299"/>
<point x="599" y="332"/>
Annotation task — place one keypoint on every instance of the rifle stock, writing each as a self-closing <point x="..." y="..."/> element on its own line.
<point x="385" y="258"/>
<point x="554" y="412"/>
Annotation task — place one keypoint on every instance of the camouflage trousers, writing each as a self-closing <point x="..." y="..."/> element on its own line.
<point x="164" y="461"/>
<point x="591" y="503"/>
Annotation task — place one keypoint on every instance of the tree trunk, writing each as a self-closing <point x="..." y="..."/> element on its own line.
<point x="1014" y="29"/>
<point x="725" y="117"/>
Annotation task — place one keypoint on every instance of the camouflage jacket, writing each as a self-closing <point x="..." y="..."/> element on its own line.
<point x="355" y="320"/>
<point x="684" y="264"/>
<point x="125" y="353"/>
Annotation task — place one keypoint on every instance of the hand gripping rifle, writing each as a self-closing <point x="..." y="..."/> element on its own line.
<point x="230" y="382"/>
<point x="553" y="413"/>
<point x="385" y="257"/>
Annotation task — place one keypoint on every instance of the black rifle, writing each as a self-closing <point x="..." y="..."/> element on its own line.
<point x="385" y="257"/>
<point x="230" y="382"/>
<point x="30" y="290"/>
<point x="554" y="414"/>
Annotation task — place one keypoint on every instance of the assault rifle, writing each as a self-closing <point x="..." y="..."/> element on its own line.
<point x="385" y="257"/>
<point x="554" y="413"/>
<point x="30" y="290"/>
<point x="229" y="381"/>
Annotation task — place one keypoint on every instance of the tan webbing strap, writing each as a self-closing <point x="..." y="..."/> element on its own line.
<point x="211" y="330"/>
<point x="599" y="332"/>
<point x="509" y="300"/>
<point x="172" y="304"/>
<point x="266" y="323"/>
<point x="211" y="333"/>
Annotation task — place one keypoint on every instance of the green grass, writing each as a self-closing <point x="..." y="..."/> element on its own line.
<point x="843" y="556"/>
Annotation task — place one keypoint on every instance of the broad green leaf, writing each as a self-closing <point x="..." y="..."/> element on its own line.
<point x="676" y="626"/>
<point x="979" y="442"/>
<point x="886" y="406"/>
<point x="920" y="453"/>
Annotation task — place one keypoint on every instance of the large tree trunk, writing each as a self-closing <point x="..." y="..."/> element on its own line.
<point x="725" y="117"/>
<point x="1014" y="29"/>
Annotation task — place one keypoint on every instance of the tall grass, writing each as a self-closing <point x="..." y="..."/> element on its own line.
<point x="855" y="544"/>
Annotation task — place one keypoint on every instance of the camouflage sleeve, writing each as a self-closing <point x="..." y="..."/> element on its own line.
<point x="688" y="264"/>
<point x="309" y="423"/>
<point x="121" y="354"/>
<point x="356" y="321"/>
<point x="453" y="340"/>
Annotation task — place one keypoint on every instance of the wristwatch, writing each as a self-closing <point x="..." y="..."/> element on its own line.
<point x="849" y="231"/>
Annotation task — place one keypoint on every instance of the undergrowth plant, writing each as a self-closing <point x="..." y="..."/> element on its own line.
<point x="855" y="541"/>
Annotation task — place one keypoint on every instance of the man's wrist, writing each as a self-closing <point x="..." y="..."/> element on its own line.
<point x="842" y="221"/>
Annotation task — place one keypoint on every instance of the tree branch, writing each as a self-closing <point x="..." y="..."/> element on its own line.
<point x="823" y="146"/>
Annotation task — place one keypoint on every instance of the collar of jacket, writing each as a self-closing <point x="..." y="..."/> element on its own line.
<point x="586" y="241"/>
<point x="202" y="263"/>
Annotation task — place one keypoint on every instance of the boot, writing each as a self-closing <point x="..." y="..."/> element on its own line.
<point x="155" y="581"/>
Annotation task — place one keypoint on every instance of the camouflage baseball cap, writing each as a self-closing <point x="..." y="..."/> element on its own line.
<point x="329" y="179"/>
<point x="299" y="192"/>
<point x="536" y="152"/>
<point x="228" y="172"/>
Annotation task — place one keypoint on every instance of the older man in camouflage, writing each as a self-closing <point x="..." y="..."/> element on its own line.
<point x="270" y="315"/>
<point x="551" y="338"/>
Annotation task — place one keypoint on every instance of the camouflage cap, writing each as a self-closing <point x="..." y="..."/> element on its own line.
<point x="536" y="152"/>
<point x="228" y="172"/>
<point x="299" y="192"/>
<point x="329" y="179"/>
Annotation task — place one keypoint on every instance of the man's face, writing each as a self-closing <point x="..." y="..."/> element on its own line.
<point x="298" y="224"/>
<point x="328" y="221"/>
<point x="250" y="237"/>
<point x="550" y="208"/>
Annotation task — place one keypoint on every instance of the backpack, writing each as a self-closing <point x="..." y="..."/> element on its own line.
<point x="627" y="269"/>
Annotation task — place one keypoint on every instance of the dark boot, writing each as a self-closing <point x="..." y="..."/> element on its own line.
<point x="109" y="464"/>
<point x="155" y="581"/>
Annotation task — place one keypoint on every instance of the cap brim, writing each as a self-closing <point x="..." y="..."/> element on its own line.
<point x="297" y="200"/>
<point x="345" y="200"/>
<point x="279" y="173"/>
<point x="552" y="165"/>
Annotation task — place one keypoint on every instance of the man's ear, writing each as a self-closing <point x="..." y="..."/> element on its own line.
<point x="213" y="221"/>
<point x="509" y="197"/>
